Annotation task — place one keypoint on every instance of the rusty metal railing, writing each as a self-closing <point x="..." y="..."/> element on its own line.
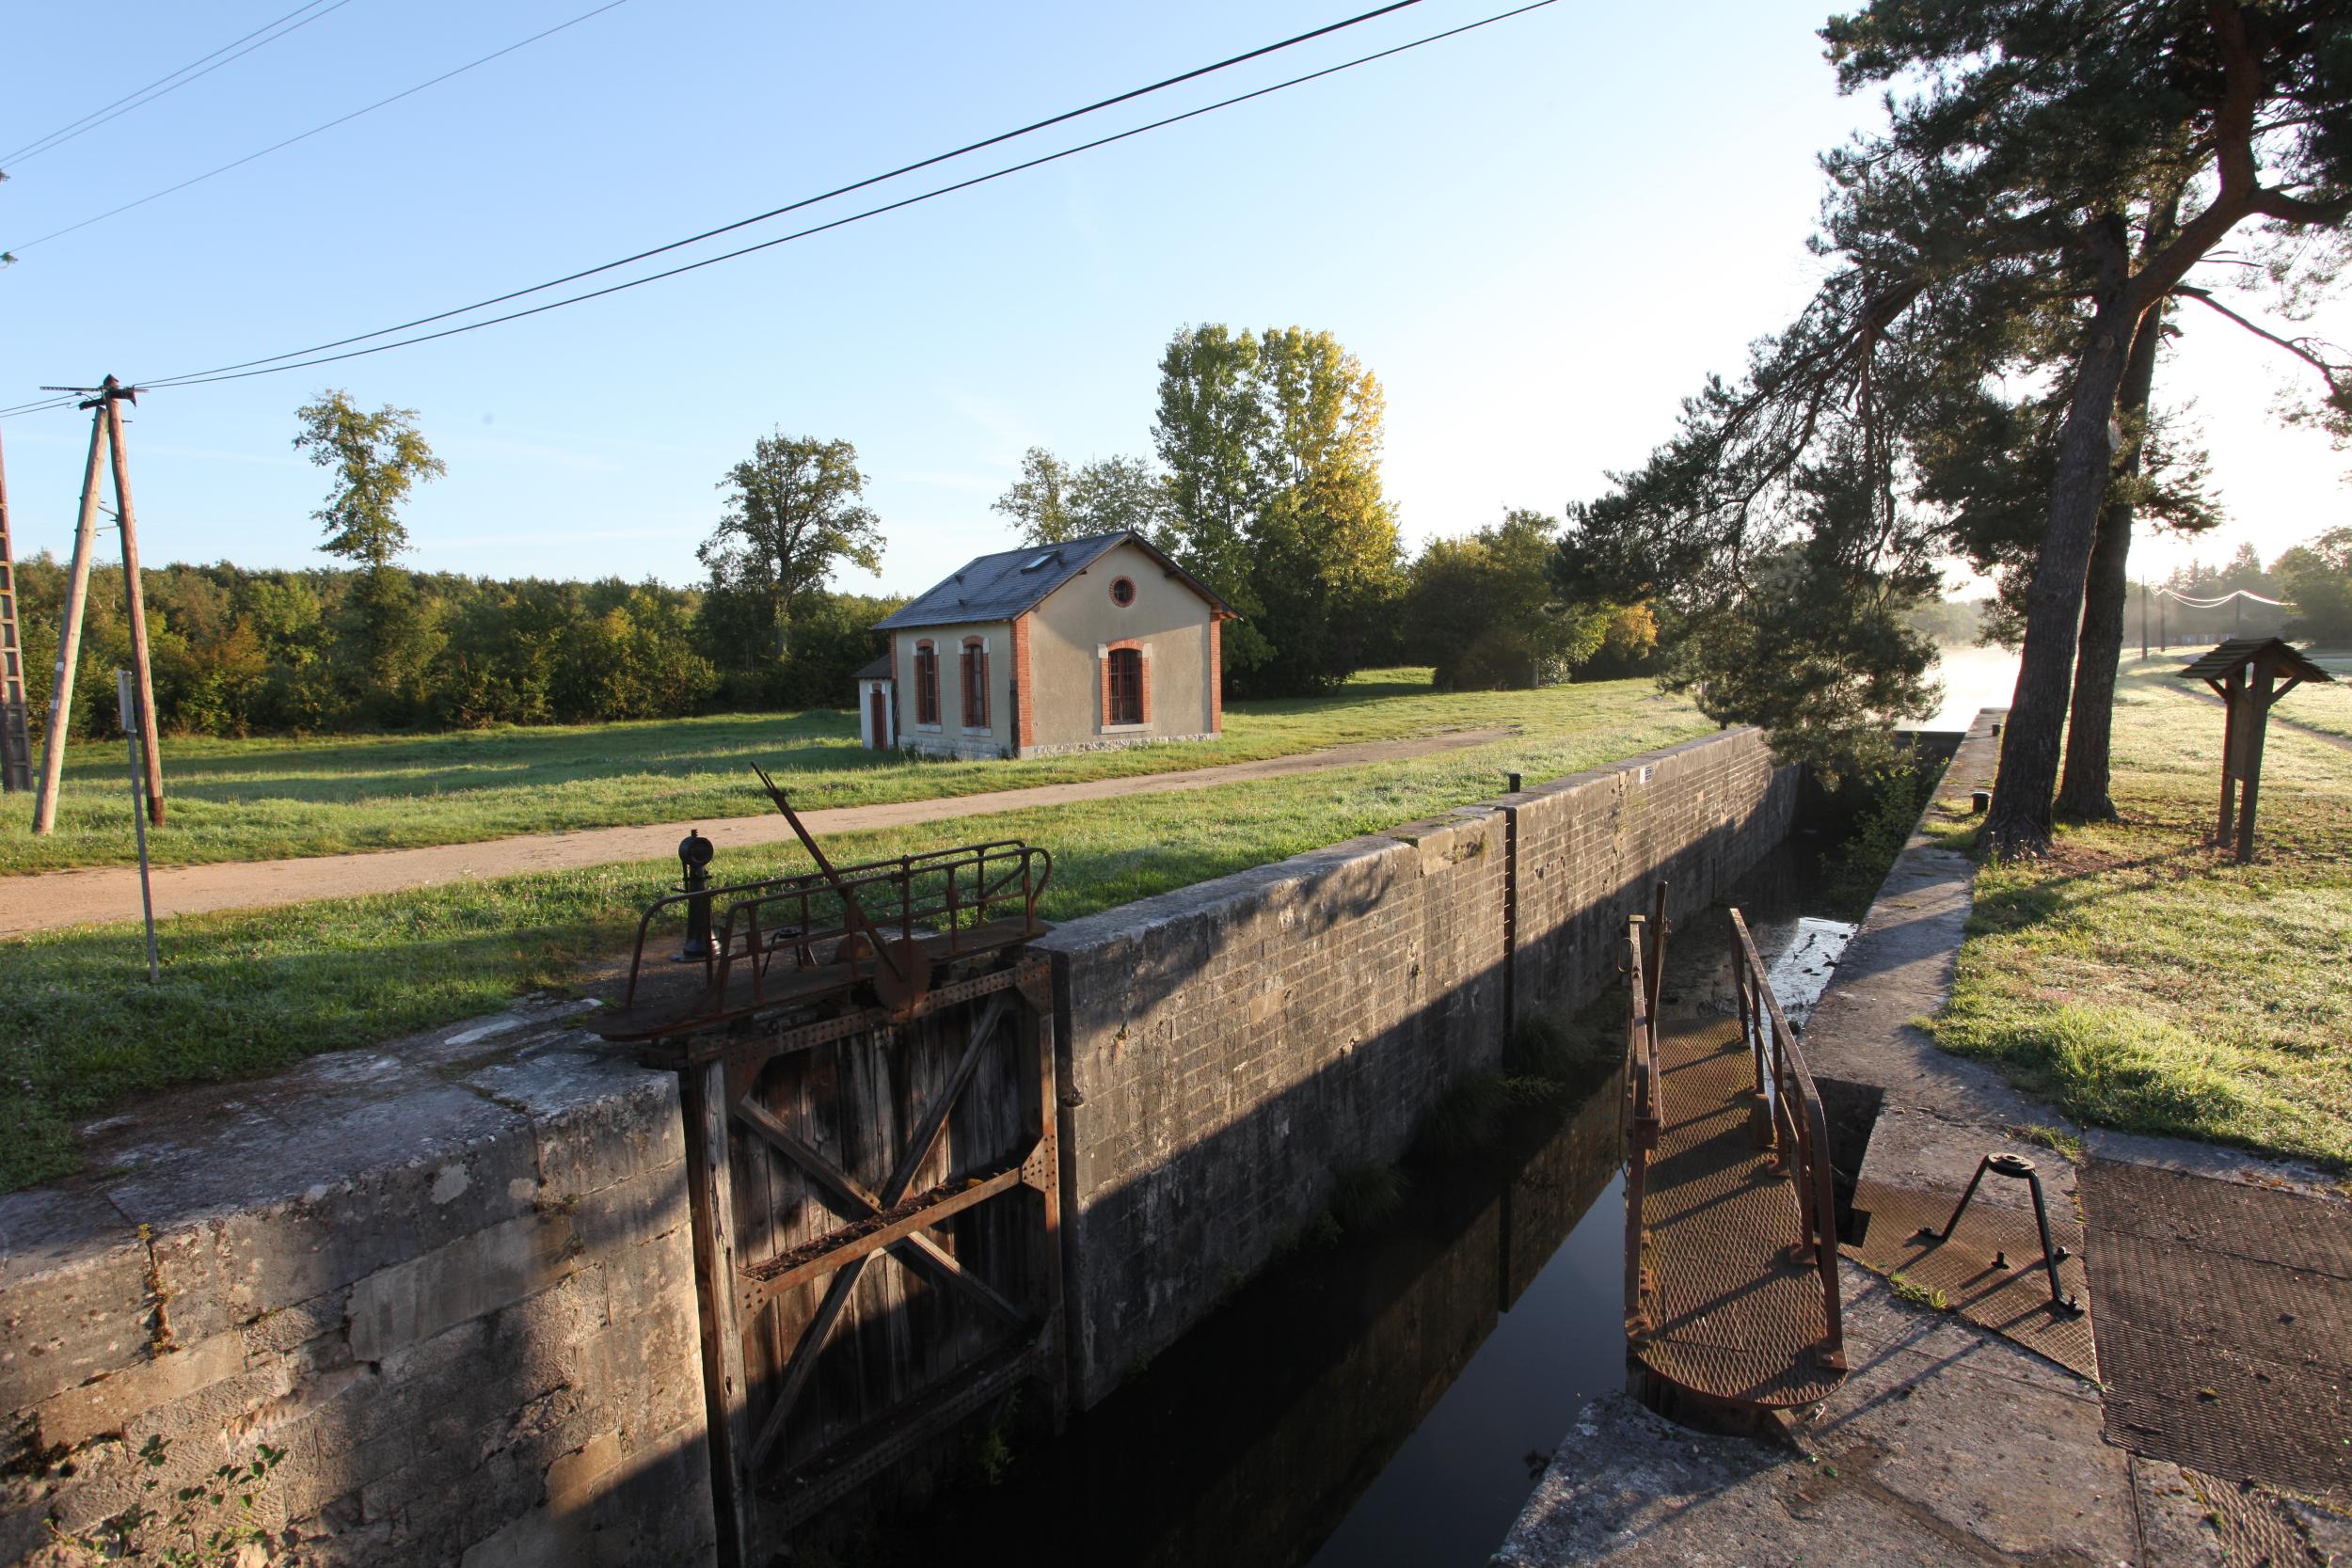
<point x="1794" y="1126"/>
<point x="1644" y="1107"/>
<point x="768" y="939"/>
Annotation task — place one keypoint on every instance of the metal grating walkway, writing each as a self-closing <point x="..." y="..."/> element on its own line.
<point x="1733" y="1308"/>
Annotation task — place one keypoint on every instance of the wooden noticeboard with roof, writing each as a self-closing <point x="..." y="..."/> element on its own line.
<point x="2245" y="672"/>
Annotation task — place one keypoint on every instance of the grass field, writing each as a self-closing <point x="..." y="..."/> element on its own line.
<point x="80" y="1029"/>
<point x="2141" y="981"/>
<point x="264" y="799"/>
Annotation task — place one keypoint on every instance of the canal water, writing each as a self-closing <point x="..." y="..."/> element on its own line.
<point x="1382" y="1400"/>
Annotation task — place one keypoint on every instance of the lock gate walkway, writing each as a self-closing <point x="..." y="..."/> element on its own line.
<point x="1731" y="1292"/>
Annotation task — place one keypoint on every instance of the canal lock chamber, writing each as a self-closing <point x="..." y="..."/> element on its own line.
<point x="1386" y="1391"/>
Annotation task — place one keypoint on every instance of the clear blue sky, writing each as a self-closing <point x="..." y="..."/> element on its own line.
<point x="1539" y="236"/>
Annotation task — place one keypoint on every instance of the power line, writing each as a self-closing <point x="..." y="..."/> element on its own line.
<point x="305" y="135"/>
<point x="302" y="359"/>
<point x="2188" y="603"/>
<point x="147" y="94"/>
<point x="270" y="369"/>
<point x="854" y="185"/>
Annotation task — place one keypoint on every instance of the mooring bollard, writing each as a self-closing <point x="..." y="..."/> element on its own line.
<point x="1514" y="779"/>
<point x="1979" y="801"/>
<point x="693" y="854"/>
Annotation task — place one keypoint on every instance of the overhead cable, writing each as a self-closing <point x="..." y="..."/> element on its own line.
<point x="157" y="87"/>
<point x="315" y="130"/>
<point x="273" y="366"/>
<point x="868" y="181"/>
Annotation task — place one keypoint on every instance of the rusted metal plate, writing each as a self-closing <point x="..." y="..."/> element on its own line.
<point x="2242" y="1221"/>
<point x="1735" y="1315"/>
<point x="2226" y="1324"/>
<point x="2012" y="1301"/>
<point x="2258" y="1528"/>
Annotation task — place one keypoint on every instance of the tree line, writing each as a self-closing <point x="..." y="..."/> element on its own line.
<point x="1264" y="484"/>
<point x="239" y="652"/>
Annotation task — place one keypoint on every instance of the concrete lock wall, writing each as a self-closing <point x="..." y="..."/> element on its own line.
<point x="1223" y="1049"/>
<point x="450" y="1279"/>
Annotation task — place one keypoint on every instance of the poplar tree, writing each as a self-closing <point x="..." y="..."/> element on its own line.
<point x="377" y="460"/>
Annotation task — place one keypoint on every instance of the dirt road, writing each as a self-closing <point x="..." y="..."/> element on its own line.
<point x="51" y="899"/>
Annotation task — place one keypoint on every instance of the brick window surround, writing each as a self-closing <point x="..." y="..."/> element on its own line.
<point x="926" y="683"/>
<point x="1126" y="684"/>
<point x="1025" y="711"/>
<point x="973" y="667"/>
<point x="1217" y="675"/>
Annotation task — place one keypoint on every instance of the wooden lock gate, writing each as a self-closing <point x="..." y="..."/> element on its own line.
<point x="872" y="1178"/>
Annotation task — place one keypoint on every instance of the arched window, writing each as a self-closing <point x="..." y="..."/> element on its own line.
<point x="974" y="684"/>
<point x="1123" y="686"/>
<point x="926" y="683"/>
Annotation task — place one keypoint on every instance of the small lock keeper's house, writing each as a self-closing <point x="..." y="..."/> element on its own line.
<point x="1073" y="647"/>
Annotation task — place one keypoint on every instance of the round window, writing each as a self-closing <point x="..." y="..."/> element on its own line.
<point x="1122" y="592"/>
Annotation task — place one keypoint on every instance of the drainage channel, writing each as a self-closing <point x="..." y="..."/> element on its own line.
<point x="1377" y="1399"/>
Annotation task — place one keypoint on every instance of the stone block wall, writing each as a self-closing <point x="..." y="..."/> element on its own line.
<point x="451" y="1280"/>
<point x="1223" y="1049"/>
<point x="1591" y="848"/>
<point x="1220" y="1047"/>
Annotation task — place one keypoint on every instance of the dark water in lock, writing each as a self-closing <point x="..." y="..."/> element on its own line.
<point x="1385" y="1400"/>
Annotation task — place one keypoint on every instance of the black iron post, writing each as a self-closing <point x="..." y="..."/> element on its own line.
<point x="2017" y="1168"/>
<point x="693" y="855"/>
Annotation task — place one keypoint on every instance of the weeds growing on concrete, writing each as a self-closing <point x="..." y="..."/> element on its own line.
<point x="1918" y="1295"/>
<point x="207" y="1525"/>
<point x="1364" y="1195"/>
<point x="1555" y="1049"/>
<point x="2056" y="1138"/>
<point x="1468" y="1117"/>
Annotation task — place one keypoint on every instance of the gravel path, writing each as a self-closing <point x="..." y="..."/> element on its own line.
<point x="49" y="900"/>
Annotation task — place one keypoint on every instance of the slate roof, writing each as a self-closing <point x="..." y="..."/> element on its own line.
<point x="2227" y="656"/>
<point x="1012" y="582"/>
<point x="878" y="671"/>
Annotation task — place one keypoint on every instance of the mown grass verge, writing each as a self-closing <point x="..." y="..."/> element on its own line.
<point x="81" y="1029"/>
<point x="270" y="798"/>
<point x="2140" y="979"/>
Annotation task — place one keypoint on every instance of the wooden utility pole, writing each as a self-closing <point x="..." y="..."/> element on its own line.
<point x="110" y="397"/>
<point x="70" y="637"/>
<point x="16" y="741"/>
